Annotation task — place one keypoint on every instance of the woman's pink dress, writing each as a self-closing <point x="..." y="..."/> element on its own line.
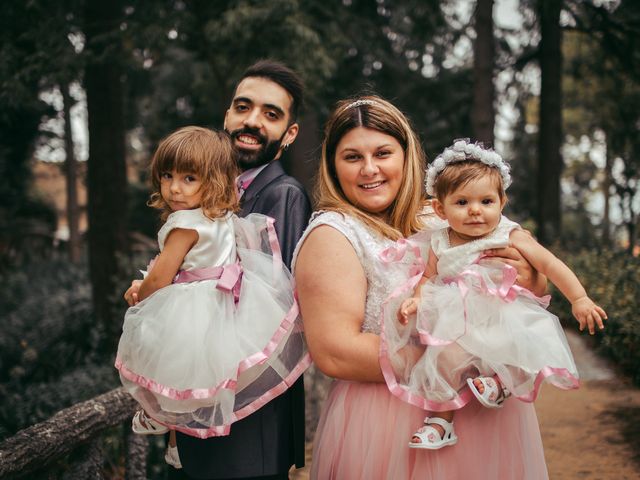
<point x="364" y="430"/>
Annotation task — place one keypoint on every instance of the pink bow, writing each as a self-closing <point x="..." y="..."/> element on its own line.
<point x="229" y="277"/>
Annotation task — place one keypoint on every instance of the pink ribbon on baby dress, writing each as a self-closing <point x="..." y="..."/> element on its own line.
<point x="507" y="291"/>
<point x="229" y="277"/>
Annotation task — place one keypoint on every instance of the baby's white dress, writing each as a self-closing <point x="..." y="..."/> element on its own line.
<point x="474" y="320"/>
<point x="217" y="344"/>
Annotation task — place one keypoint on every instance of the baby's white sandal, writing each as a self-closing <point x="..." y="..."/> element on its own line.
<point x="430" y="437"/>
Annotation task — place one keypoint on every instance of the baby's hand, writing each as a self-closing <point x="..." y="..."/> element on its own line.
<point x="408" y="308"/>
<point x="588" y="313"/>
<point x="131" y="295"/>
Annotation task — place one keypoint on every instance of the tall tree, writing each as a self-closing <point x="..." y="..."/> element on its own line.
<point x="550" y="122"/>
<point x="71" y="176"/>
<point x="22" y="64"/>
<point x="602" y="67"/>
<point x="482" y="111"/>
<point x="106" y="176"/>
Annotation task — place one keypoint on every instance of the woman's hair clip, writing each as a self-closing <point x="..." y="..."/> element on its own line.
<point x="359" y="103"/>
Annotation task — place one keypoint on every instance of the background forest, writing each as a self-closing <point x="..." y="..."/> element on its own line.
<point x="88" y="88"/>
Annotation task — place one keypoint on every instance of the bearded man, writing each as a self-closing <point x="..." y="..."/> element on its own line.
<point x="262" y="123"/>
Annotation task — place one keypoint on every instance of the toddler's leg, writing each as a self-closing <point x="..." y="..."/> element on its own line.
<point x="171" y="456"/>
<point x="437" y="432"/>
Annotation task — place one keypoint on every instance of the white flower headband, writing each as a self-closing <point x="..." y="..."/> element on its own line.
<point x="463" y="149"/>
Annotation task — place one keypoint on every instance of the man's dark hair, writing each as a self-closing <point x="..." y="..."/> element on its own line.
<point x="282" y="75"/>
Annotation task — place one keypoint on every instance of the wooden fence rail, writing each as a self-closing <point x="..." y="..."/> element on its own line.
<point x="78" y="427"/>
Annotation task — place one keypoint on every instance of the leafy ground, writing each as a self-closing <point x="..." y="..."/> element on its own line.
<point x="591" y="433"/>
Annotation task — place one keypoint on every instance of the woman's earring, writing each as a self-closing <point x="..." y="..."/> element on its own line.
<point x="286" y="147"/>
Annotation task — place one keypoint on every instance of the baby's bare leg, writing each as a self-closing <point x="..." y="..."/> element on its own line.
<point x="455" y="365"/>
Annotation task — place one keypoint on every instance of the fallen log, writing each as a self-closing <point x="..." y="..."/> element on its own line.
<point x="41" y="444"/>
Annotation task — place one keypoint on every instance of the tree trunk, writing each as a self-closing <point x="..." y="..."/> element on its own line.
<point x="136" y="455"/>
<point x="300" y="160"/>
<point x="606" y="187"/>
<point x="632" y="228"/>
<point x="36" y="447"/>
<point x="550" y="131"/>
<point x="88" y="463"/>
<point x="71" y="174"/>
<point x="482" y="112"/>
<point x="106" y="176"/>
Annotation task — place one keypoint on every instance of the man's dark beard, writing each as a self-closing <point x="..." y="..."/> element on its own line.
<point x="252" y="159"/>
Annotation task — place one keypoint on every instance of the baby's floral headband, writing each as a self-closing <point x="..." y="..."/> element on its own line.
<point x="461" y="150"/>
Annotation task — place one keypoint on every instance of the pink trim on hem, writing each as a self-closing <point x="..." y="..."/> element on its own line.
<point x="227" y="384"/>
<point x="169" y="392"/>
<point x="542" y="375"/>
<point x="259" y="402"/>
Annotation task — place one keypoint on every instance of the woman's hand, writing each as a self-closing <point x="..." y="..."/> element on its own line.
<point x="527" y="277"/>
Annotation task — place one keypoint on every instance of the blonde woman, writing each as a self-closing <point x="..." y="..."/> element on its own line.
<point x="369" y="195"/>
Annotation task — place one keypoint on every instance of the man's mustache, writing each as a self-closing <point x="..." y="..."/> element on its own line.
<point x="249" y="131"/>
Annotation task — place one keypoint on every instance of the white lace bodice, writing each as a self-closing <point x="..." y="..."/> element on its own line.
<point x="381" y="278"/>
<point x="453" y="260"/>
<point x="216" y="245"/>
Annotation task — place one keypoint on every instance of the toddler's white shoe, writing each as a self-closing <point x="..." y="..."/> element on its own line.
<point x="172" y="458"/>
<point x="143" y="424"/>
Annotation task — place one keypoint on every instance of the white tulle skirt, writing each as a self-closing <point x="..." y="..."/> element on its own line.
<point x="198" y="361"/>
<point x="479" y="323"/>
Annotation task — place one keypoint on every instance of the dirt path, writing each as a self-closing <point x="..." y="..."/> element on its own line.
<point x="592" y="433"/>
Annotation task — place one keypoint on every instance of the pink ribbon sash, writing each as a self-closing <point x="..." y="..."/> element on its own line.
<point x="229" y="277"/>
<point x="507" y="291"/>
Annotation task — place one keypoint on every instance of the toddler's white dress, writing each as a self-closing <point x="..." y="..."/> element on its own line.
<point x="473" y="320"/>
<point x="223" y="339"/>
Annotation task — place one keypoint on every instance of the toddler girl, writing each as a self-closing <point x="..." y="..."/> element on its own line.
<point x="480" y="330"/>
<point x="216" y="333"/>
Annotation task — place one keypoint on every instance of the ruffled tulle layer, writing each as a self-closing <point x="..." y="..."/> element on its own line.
<point x="198" y="361"/>
<point x="364" y="431"/>
<point x="478" y="323"/>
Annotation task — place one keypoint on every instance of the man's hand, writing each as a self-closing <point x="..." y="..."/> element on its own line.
<point x="131" y="295"/>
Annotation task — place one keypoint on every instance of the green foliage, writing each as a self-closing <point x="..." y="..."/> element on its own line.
<point x="339" y="48"/>
<point x="612" y="279"/>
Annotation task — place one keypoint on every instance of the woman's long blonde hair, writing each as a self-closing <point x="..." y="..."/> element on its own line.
<point x="378" y="114"/>
<point x="207" y="153"/>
